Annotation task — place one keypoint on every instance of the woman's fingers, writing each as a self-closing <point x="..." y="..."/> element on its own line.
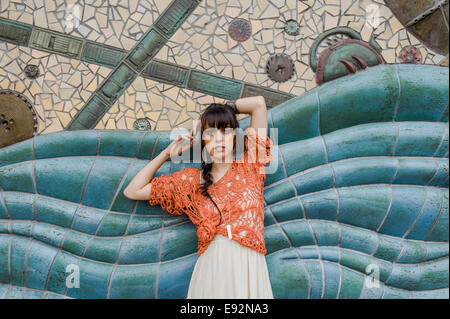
<point x="181" y="137"/>
<point x="178" y="146"/>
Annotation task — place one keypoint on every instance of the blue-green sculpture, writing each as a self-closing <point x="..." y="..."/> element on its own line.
<point x="358" y="207"/>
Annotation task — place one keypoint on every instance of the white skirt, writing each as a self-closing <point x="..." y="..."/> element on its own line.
<point x="228" y="270"/>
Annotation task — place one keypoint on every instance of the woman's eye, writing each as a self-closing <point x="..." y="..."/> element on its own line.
<point x="210" y="133"/>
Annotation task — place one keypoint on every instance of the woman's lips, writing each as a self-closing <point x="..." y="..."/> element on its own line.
<point x="219" y="148"/>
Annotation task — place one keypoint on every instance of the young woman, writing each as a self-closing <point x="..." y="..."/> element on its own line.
<point x="223" y="199"/>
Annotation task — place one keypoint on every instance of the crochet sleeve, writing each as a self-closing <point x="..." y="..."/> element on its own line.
<point x="258" y="150"/>
<point x="173" y="192"/>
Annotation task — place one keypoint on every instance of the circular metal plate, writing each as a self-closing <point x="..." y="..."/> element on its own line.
<point x="142" y="124"/>
<point x="18" y="121"/>
<point x="240" y="30"/>
<point x="280" y="67"/>
<point x="410" y="54"/>
<point x="31" y="71"/>
<point x="291" y="27"/>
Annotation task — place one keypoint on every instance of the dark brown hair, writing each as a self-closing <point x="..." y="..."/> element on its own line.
<point x="219" y="116"/>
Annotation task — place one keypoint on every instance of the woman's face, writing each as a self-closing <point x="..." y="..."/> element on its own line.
<point x="219" y="143"/>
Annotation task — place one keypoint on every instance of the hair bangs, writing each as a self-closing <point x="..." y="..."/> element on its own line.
<point x="219" y="117"/>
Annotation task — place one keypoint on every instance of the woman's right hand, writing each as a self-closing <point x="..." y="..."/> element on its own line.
<point x="176" y="147"/>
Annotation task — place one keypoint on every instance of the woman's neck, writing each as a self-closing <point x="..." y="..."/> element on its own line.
<point x="220" y="167"/>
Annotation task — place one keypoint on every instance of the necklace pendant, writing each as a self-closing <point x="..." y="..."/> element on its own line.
<point x="229" y="231"/>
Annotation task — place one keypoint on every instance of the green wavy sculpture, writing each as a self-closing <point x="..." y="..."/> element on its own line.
<point x="360" y="191"/>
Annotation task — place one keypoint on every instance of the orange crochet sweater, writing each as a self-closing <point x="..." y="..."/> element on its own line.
<point x="240" y="197"/>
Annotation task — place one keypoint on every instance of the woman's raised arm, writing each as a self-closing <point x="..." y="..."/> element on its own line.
<point x="140" y="186"/>
<point x="256" y="107"/>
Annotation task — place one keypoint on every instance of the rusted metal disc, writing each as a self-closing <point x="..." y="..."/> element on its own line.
<point x="240" y="30"/>
<point x="32" y="71"/>
<point x="280" y="67"/>
<point x="410" y="54"/>
<point x="18" y="120"/>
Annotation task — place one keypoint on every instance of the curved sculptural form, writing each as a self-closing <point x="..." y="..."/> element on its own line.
<point x="357" y="206"/>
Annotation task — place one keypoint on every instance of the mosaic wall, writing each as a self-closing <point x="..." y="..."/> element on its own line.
<point x="202" y="43"/>
<point x="357" y="206"/>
